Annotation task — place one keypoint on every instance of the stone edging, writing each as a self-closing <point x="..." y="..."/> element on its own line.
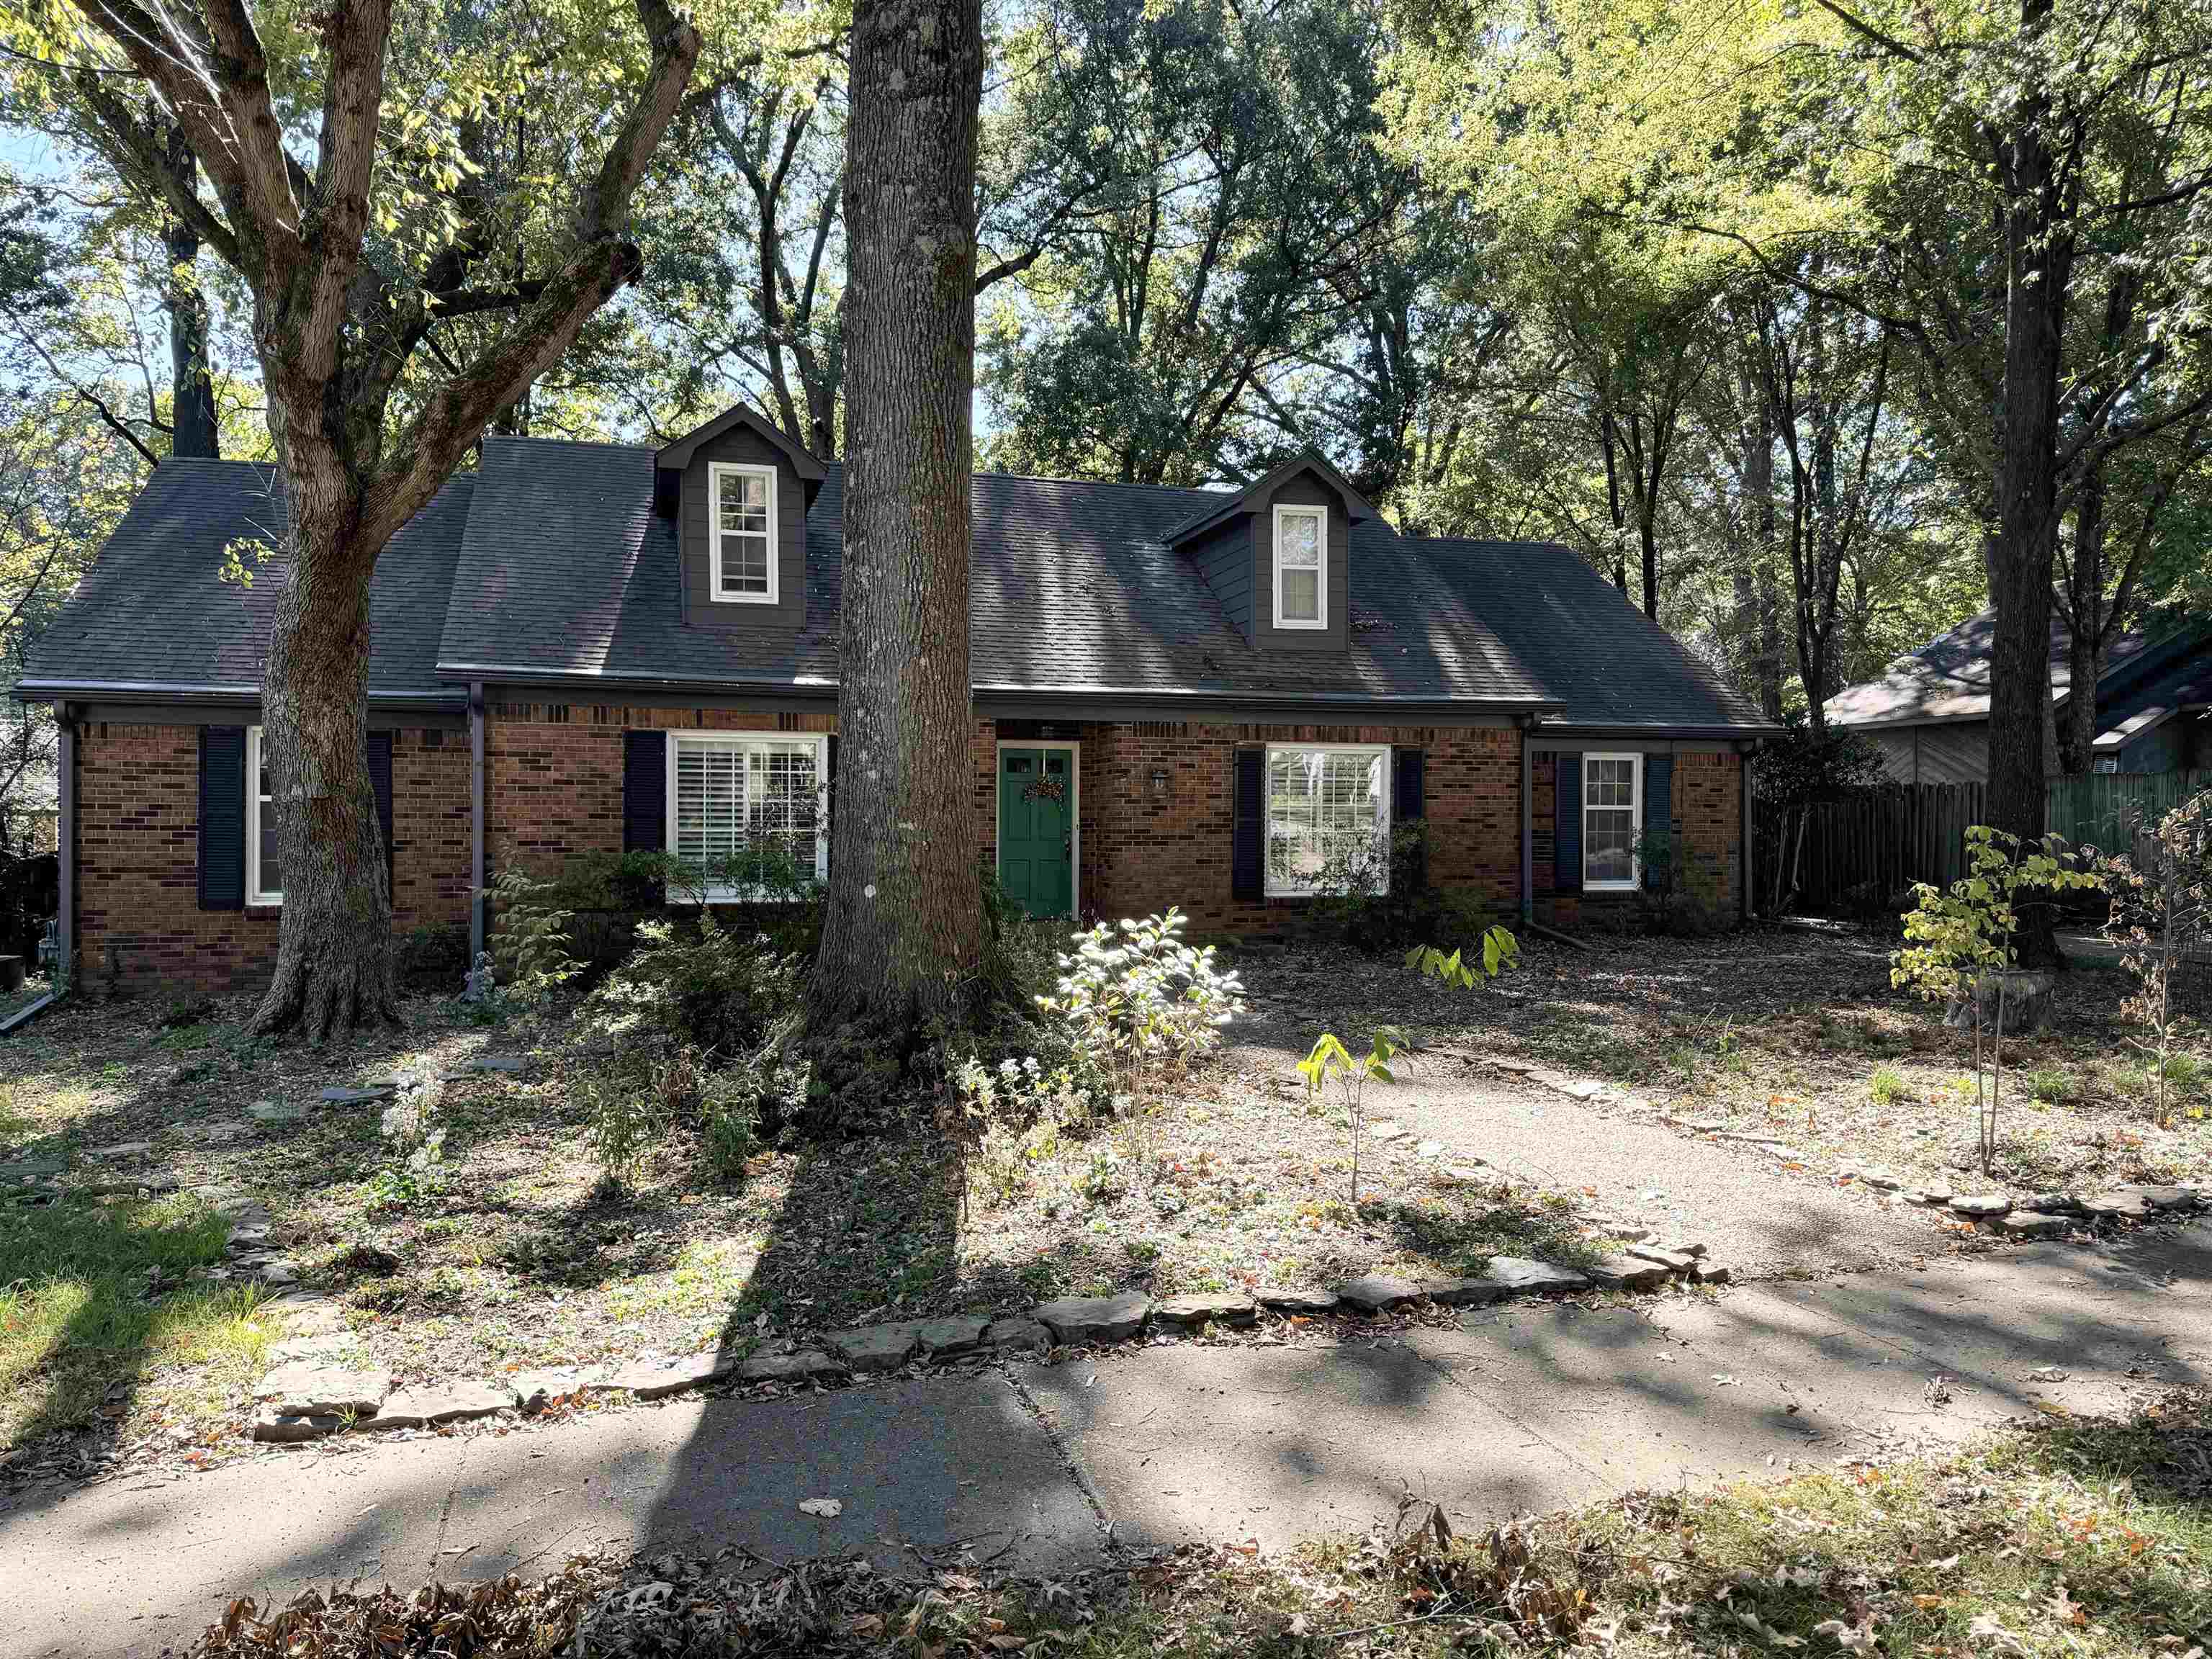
<point x="322" y="1387"/>
<point x="2025" y="1215"/>
<point x="2033" y="1215"/>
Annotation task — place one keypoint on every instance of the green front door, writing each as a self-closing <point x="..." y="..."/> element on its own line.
<point x="1036" y="829"/>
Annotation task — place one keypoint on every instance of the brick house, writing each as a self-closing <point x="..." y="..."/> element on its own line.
<point x="1202" y="698"/>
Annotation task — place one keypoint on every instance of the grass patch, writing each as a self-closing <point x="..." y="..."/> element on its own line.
<point x="2085" y="1539"/>
<point x="100" y="1296"/>
<point x="1887" y="1087"/>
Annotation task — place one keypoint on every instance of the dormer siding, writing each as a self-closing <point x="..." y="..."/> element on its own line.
<point x="695" y="521"/>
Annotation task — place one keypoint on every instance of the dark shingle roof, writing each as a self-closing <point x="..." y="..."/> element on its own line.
<point x="549" y="561"/>
<point x="1948" y="677"/>
<point x="565" y="570"/>
<point x="153" y="613"/>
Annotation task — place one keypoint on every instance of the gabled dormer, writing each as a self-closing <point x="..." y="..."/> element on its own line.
<point x="738" y="489"/>
<point x="1277" y="555"/>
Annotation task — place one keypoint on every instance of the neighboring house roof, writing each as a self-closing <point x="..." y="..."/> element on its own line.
<point x="1948" y="677"/>
<point x="154" y="615"/>
<point x="550" y="564"/>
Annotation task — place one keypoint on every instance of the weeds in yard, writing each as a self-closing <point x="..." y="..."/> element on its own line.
<point x="100" y="1294"/>
<point x="2050" y="1084"/>
<point x="1956" y="940"/>
<point x="1887" y="1087"/>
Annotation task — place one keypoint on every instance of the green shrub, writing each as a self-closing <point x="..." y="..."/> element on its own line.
<point x="695" y="982"/>
<point x="531" y="941"/>
<point x="1887" y="1087"/>
<point x="1409" y="909"/>
<point x="623" y="1126"/>
<point x="2049" y="1083"/>
<point x="730" y="1118"/>
<point x="431" y="958"/>
<point x="1135" y="999"/>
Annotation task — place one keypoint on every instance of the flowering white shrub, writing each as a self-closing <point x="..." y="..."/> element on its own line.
<point x="417" y="1143"/>
<point x="1137" y="997"/>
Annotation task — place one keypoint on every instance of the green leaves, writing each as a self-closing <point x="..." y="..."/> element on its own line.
<point x="1500" y="950"/>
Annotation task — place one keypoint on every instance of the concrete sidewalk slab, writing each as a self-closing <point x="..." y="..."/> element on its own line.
<point x="1512" y="1409"/>
<point x="1273" y="1445"/>
<point x="131" y="1566"/>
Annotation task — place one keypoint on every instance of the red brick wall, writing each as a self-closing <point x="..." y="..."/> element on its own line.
<point x="553" y="772"/>
<point x="138" y="922"/>
<point x="1706" y="807"/>
<point x="554" y="789"/>
<point x="1143" y="852"/>
<point x="1709" y="814"/>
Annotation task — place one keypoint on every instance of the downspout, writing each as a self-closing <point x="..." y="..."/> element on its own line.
<point x="1749" y="877"/>
<point x="66" y="799"/>
<point x="476" y="821"/>
<point x="1527" y="827"/>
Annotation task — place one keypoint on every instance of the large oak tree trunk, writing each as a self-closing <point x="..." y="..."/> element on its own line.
<point x="903" y="929"/>
<point x="334" y="955"/>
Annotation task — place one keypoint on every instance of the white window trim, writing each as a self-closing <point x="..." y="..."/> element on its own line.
<point x="1074" y="810"/>
<point x="1269" y="887"/>
<point x="714" y="534"/>
<point x="253" y="893"/>
<point x="677" y="893"/>
<point x="1635" y="820"/>
<point x="1320" y="620"/>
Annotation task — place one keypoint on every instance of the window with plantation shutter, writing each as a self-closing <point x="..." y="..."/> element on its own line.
<point x="745" y="811"/>
<point x="1328" y="820"/>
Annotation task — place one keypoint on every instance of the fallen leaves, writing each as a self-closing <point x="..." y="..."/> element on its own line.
<point x="828" y="1508"/>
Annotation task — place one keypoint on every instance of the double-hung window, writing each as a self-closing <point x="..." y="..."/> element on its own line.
<point x="264" y="870"/>
<point x="746" y="807"/>
<point x="1613" y="818"/>
<point x="742" y="534"/>
<point x="1328" y="819"/>
<point x="1302" y="567"/>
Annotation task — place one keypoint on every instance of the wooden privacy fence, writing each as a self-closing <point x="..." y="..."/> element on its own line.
<point x="2110" y="811"/>
<point x="1867" y="848"/>
<point x="1873" y="844"/>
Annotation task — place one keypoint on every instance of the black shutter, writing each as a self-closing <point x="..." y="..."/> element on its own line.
<point x="1407" y="766"/>
<point x="1658" y="809"/>
<point x="645" y="792"/>
<point x="222" y="817"/>
<point x="380" y="779"/>
<point x="1247" y="848"/>
<point x="1567" y="826"/>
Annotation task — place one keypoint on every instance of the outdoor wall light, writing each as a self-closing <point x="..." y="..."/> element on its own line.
<point x="1159" y="782"/>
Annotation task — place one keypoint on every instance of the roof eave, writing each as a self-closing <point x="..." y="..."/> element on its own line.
<point x="150" y="692"/>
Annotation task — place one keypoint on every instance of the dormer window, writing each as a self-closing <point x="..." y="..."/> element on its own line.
<point x="1301" y="567"/>
<point x="744" y="563"/>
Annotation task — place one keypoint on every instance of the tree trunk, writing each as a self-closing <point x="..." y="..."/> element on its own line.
<point x="2085" y="619"/>
<point x="192" y="430"/>
<point x="903" y="928"/>
<point x="1770" y="635"/>
<point x="334" y="949"/>
<point x="2021" y="561"/>
<point x="2038" y="259"/>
